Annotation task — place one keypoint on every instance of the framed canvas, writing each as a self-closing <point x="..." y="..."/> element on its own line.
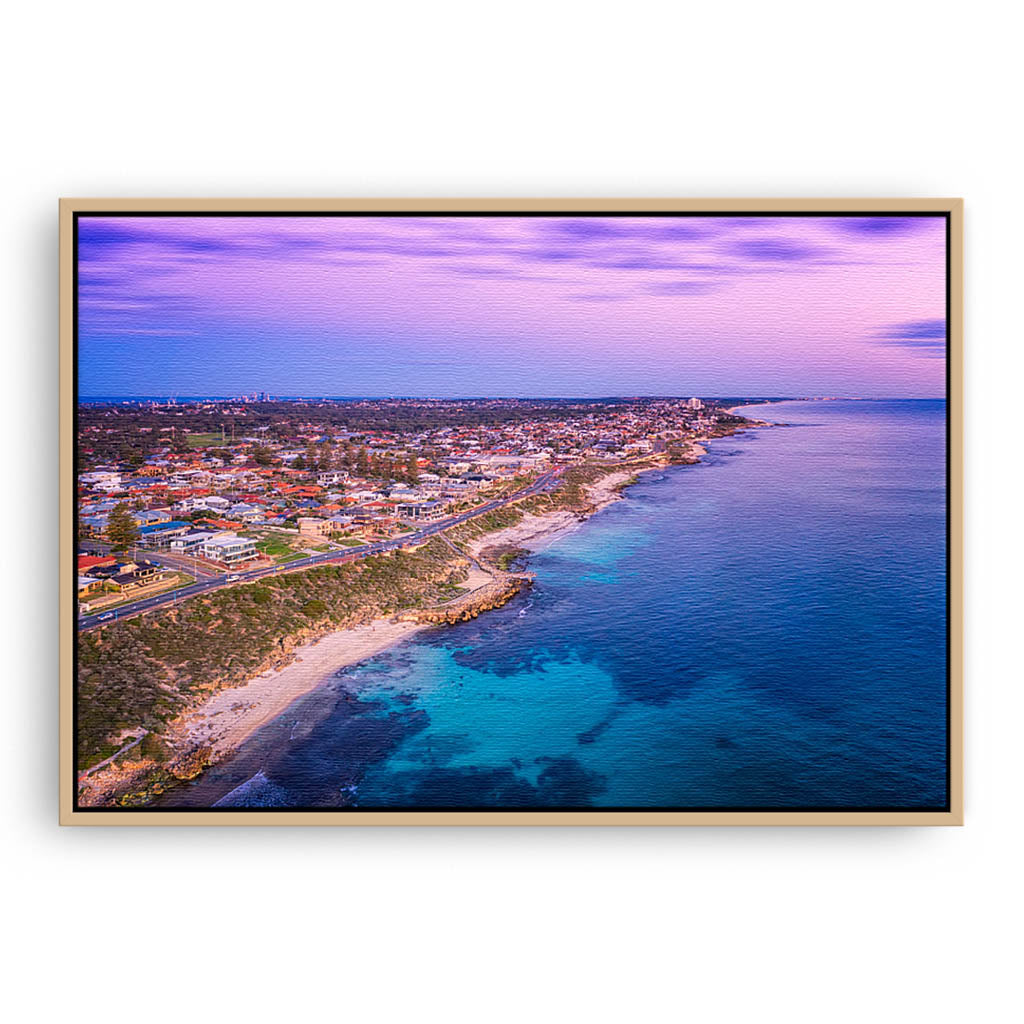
<point x="511" y="511"/>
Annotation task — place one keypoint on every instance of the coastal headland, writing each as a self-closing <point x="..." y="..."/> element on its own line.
<point x="202" y="677"/>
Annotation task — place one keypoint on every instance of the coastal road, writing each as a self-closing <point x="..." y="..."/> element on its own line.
<point x="544" y="483"/>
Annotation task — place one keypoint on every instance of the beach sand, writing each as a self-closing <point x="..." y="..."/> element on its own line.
<point x="230" y="716"/>
<point x="538" y="530"/>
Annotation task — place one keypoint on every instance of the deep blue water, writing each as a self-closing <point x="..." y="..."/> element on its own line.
<point x="766" y="629"/>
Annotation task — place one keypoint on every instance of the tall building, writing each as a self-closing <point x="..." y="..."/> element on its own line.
<point x="695" y="403"/>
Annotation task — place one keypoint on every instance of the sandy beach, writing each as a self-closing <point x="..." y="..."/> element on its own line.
<point x="230" y="716"/>
<point x="537" y="530"/>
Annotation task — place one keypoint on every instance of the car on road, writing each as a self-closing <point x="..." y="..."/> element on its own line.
<point x="103" y="618"/>
<point x="234" y="578"/>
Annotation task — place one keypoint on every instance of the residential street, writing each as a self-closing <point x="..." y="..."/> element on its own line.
<point x="206" y="582"/>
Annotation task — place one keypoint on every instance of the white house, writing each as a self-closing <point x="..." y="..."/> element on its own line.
<point x="229" y="549"/>
<point x="331" y="476"/>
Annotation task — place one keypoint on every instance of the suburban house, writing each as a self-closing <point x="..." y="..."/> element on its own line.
<point x="138" y="574"/>
<point x="189" y="543"/>
<point x="460" y="488"/>
<point x="362" y="516"/>
<point x="160" y="535"/>
<point x="202" y="503"/>
<point x="403" y="494"/>
<point x="147" y="517"/>
<point x="87" y="562"/>
<point x="247" y="513"/>
<point x="427" y="511"/>
<point x="310" y="526"/>
<point x="229" y="549"/>
<point x="93" y="526"/>
<point x="101" y="480"/>
<point x="331" y="476"/>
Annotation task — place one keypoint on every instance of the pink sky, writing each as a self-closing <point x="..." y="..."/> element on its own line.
<point x="512" y="305"/>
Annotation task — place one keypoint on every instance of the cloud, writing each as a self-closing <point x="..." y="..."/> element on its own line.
<point x="881" y="227"/>
<point x="652" y="261"/>
<point x="583" y="228"/>
<point x="927" y="337"/>
<point x="554" y="255"/>
<point x="779" y="250"/>
<point x="915" y="329"/>
<point x="684" y="287"/>
<point x="469" y="270"/>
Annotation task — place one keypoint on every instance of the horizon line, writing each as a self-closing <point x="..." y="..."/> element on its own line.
<point x="505" y="398"/>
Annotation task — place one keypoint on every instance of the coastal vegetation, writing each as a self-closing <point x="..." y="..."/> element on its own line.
<point x="122" y="530"/>
<point x="138" y="674"/>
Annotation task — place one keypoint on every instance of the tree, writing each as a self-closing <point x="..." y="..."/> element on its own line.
<point x="413" y="472"/>
<point x="121" y="528"/>
<point x="262" y="456"/>
<point x="363" y="463"/>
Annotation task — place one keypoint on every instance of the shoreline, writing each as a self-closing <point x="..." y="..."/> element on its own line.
<point x="536" y="528"/>
<point x="219" y="725"/>
<point x="225" y="720"/>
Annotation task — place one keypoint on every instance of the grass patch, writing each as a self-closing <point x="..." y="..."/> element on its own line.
<point x="204" y="440"/>
<point x="278" y="549"/>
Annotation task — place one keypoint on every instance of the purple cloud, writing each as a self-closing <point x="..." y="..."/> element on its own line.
<point x="778" y="250"/>
<point x="684" y="287"/>
<point x="915" y="329"/>
<point x="880" y="227"/>
<point x="926" y="337"/>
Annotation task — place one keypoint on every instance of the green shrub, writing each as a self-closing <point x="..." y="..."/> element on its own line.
<point x="154" y="747"/>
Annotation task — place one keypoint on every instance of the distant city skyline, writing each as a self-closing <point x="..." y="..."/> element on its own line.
<point x="517" y="307"/>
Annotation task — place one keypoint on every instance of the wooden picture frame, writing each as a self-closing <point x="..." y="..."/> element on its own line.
<point x="951" y="209"/>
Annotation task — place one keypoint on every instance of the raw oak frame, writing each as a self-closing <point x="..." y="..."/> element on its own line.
<point x="71" y="815"/>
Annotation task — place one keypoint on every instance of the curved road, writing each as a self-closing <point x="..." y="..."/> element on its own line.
<point x="545" y="482"/>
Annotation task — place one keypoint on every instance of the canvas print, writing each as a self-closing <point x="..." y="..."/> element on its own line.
<point x="541" y="511"/>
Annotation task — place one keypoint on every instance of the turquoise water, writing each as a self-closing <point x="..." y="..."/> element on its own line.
<point x="766" y="629"/>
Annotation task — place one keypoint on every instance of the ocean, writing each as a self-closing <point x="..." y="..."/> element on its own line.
<point x="766" y="629"/>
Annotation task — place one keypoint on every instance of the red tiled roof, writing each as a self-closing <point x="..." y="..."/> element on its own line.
<point x="89" y="561"/>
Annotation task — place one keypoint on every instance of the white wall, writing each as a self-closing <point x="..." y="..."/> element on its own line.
<point x="533" y="98"/>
